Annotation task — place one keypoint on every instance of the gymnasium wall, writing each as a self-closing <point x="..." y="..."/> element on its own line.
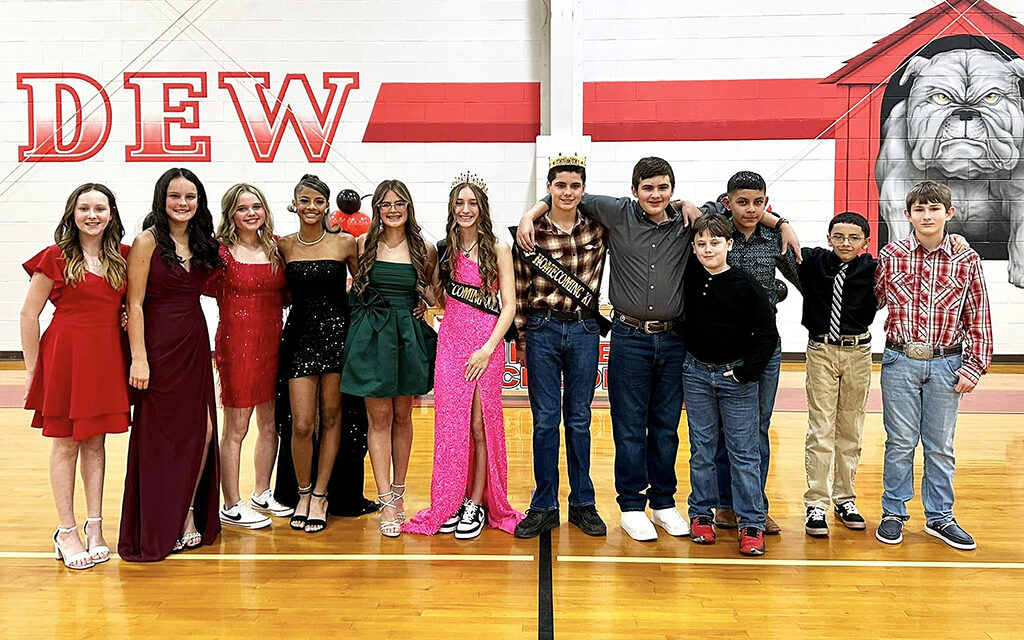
<point x="424" y="90"/>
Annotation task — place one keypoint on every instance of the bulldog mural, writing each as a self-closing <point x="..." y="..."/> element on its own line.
<point x="963" y="124"/>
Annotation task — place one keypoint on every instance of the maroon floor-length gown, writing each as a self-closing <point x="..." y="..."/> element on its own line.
<point x="169" y="425"/>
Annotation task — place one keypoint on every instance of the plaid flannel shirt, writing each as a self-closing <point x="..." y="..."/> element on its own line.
<point x="936" y="297"/>
<point x="581" y="251"/>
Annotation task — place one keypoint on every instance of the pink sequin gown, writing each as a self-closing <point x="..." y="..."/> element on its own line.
<point x="465" y="329"/>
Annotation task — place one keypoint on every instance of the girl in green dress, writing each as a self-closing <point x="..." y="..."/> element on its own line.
<point x="389" y="354"/>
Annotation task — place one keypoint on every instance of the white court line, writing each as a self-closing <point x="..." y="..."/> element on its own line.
<point x="304" y="557"/>
<point x="796" y="562"/>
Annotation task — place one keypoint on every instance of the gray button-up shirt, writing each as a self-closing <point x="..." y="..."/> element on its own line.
<point x="645" y="278"/>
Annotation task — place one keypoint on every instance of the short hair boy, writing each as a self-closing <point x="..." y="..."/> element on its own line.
<point x="938" y="345"/>
<point x="838" y="309"/>
<point x="730" y="334"/>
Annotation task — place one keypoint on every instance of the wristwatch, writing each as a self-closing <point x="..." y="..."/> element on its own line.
<point x="781" y="222"/>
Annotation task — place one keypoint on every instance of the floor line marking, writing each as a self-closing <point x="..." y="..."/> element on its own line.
<point x="795" y="562"/>
<point x="303" y="557"/>
<point x="545" y="595"/>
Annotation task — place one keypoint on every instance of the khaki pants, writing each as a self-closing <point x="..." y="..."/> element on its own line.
<point x="838" y="379"/>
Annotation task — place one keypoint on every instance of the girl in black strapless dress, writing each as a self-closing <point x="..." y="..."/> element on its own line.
<point x="310" y="372"/>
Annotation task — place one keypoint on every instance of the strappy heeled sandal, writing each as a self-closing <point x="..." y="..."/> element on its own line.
<point x="399" y="515"/>
<point x="193" y="539"/>
<point x="388" y="528"/>
<point x="319" y="523"/>
<point x="101" y="549"/>
<point x="69" y="561"/>
<point x="298" y="522"/>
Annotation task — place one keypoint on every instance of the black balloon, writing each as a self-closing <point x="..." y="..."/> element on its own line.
<point x="348" y="201"/>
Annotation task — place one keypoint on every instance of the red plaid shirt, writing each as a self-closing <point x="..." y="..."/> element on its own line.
<point x="936" y="297"/>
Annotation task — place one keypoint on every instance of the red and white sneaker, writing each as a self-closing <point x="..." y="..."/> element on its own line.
<point x="701" y="530"/>
<point x="751" y="541"/>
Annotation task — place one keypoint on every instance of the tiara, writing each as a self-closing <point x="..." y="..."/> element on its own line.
<point x="567" y="161"/>
<point x="470" y="178"/>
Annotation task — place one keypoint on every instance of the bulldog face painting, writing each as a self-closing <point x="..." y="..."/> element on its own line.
<point x="963" y="124"/>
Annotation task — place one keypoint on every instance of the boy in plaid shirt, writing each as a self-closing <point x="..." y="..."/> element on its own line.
<point x="938" y="345"/>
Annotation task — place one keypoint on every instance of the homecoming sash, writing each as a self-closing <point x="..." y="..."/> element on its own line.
<point x="541" y="262"/>
<point x="468" y="294"/>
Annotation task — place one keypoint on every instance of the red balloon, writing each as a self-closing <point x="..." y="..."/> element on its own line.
<point x="356" y="223"/>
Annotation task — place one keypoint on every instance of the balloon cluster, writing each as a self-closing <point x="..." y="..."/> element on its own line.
<point x="348" y="216"/>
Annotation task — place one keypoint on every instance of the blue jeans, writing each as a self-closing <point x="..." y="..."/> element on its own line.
<point x="919" y="404"/>
<point x="645" y="397"/>
<point x="768" y="386"/>
<point x="717" y="404"/>
<point x="560" y="351"/>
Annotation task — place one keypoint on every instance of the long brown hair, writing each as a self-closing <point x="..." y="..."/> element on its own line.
<point x="486" y="243"/>
<point x="227" y="231"/>
<point x="115" y="268"/>
<point x="413" y="235"/>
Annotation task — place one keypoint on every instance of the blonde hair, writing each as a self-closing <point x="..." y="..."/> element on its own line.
<point x="486" y="248"/>
<point x="115" y="267"/>
<point x="227" y="231"/>
<point x="413" y="234"/>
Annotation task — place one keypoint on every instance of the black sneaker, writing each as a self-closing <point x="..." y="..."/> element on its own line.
<point x="814" y="523"/>
<point x="452" y="523"/>
<point x="890" y="529"/>
<point x="537" y="522"/>
<point x="849" y="516"/>
<point x="952" y="534"/>
<point x="588" y="520"/>
<point x="472" y="522"/>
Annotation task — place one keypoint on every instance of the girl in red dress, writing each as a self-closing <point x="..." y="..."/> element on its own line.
<point x="250" y="293"/>
<point x="77" y="373"/>
<point x="170" y="487"/>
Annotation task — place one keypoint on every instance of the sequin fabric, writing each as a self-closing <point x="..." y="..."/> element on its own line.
<point x="314" y="335"/>
<point x="465" y="329"/>
<point x="250" y="298"/>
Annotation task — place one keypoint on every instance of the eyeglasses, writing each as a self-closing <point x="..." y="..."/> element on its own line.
<point x="401" y="205"/>
<point x="839" y="238"/>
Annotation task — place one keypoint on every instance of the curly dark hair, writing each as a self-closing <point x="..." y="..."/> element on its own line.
<point x="204" y="246"/>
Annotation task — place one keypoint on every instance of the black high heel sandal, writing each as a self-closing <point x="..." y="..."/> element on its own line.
<point x="298" y="522"/>
<point x="321" y="524"/>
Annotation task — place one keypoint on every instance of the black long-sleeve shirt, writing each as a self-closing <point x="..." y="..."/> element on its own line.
<point x="817" y="274"/>
<point x="727" y="317"/>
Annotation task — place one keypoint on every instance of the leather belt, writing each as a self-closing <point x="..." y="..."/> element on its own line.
<point x="647" y="326"/>
<point x="844" y="341"/>
<point x="565" y="316"/>
<point x="923" y="350"/>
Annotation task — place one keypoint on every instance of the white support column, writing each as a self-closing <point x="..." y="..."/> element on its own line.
<point x="565" y="88"/>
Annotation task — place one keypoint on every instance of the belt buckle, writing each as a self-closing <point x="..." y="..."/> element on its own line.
<point x="848" y="341"/>
<point x="919" y="350"/>
<point x="647" y="324"/>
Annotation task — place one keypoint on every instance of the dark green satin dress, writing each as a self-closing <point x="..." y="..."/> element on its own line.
<point x="389" y="352"/>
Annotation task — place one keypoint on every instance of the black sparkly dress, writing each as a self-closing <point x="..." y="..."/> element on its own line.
<point x="312" y="344"/>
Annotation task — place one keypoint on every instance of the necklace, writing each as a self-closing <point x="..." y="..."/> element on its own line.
<point x="468" y="251"/>
<point x="298" y="236"/>
<point x="389" y="247"/>
<point x="94" y="265"/>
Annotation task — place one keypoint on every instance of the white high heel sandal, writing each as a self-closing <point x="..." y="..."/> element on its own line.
<point x="68" y="561"/>
<point x="100" y="549"/>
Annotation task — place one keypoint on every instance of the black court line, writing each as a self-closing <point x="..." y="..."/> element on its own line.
<point x="545" y="601"/>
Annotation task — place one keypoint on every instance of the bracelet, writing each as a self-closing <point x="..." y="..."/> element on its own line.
<point x="781" y="222"/>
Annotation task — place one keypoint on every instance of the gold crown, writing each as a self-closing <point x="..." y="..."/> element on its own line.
<point x="567" y="161"/>
<point x="470" y="178"/>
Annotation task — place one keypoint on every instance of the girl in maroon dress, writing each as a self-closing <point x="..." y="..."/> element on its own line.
<point x="77" y="374"/>
<point x="170" y="488"/>
<point x="250" y="293"/>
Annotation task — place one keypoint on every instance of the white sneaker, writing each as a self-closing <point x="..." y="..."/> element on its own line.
<point x="636" y="524"/>
<point x="265" y="503"/>
<point x="452" y="523"/>
<point x="671" y="521"/>
<point x="242" y="515"/>
<point x="472" y="522"/>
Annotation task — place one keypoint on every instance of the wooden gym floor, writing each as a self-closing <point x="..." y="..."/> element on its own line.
<point x="349" y="582"/>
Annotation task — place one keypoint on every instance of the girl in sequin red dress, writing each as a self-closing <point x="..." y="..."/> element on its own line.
<point x="250" y="292"/>
<point x="469" y="485"/>
<point x="77" y="373"/>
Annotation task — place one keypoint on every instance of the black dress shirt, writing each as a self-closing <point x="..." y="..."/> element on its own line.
<point x="817" y="274"/>
<point x="728" y="318"/>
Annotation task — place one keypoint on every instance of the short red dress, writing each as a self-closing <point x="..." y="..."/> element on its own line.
<point x="251" y="298"/>
<point x="80" y="385"/>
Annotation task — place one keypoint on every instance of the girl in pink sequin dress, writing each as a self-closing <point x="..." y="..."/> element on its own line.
<point x="470" y="478"/>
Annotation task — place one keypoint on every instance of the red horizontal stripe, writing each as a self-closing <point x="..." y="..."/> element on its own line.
<point x="711" y="109"/>
<point x="455" y="112"/>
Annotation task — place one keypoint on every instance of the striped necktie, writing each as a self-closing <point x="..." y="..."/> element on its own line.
<point x="837" y="303"/>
